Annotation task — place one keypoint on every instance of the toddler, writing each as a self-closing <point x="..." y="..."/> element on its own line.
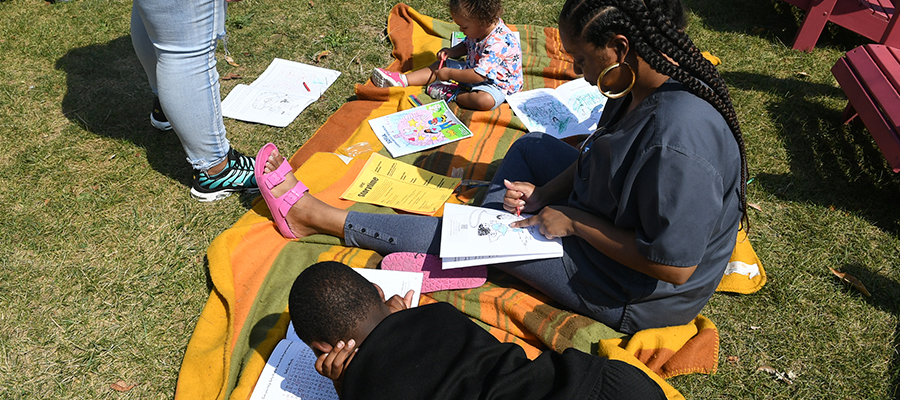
<point x="492" y="68"/>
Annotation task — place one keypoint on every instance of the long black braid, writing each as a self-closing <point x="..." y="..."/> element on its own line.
<point x="655" y="28"/>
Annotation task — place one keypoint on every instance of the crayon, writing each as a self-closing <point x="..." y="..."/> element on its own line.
<point x="307" y="87"/>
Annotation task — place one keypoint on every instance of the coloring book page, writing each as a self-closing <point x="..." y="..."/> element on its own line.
<point x="420" y="128"/>
<point x="469" y="231"/>
<point x="280" y="94"/>
<point x="573" y="108"/>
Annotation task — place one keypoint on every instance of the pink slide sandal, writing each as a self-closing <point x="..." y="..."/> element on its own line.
<point x="279" y="206"/>
<point x="435" y="279"/>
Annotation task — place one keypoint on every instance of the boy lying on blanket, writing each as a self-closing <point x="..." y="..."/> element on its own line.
<point x="434" y="351"/>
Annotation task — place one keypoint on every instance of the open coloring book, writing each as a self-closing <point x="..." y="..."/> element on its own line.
<point x="420" y="128"/>
<point x="476" y="236"/>
<point x="571" y="109"/>
<point x="290" y="372"/>
<point x="278" y="96"/>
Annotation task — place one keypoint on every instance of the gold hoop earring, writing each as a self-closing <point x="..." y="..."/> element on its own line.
<point x="606" y="71"/>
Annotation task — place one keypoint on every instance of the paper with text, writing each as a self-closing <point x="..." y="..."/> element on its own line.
<point x="396" y="184"/>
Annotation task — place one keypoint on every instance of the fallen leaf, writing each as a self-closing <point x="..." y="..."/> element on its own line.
<point x="754" y="206"/>
<point x="121" y="386"/>
<point x="732" y="359"/>
<point x="311" y="3"/>
<point x="767" y="369"/>
<point x="831" y="208"/>
<point x="231" y="76"/>
<point x="803" y="74"/>
<point x="852" y="281"/>
<point x="46" y="201"/>
<point x="231" y="61"/>
<point x="322" y="54"/>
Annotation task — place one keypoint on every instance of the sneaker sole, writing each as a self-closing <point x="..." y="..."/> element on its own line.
<point x="163" y="126"/>
<point x="381" y="79"/>
<point x="216" y="196"/>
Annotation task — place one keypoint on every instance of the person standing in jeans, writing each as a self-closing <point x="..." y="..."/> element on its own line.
<point x="175" y="41"/>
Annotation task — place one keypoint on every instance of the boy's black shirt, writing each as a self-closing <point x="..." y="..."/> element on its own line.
<point x="436" y="352"/>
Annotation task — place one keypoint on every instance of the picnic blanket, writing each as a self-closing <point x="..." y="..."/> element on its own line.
<point x="252" y="267"/>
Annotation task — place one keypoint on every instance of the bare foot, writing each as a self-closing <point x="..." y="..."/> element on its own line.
<point x="309" y="215"/>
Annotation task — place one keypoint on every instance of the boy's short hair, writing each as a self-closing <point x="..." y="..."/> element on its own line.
<point x="329" y="300"/>
<point x="483" y="11"/>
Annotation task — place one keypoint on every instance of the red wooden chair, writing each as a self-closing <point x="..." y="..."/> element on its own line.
<point x="870" y="76"/>
<point x="874" y="19"/>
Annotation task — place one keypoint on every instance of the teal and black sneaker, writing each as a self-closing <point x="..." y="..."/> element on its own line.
<point x="236" y="177"/>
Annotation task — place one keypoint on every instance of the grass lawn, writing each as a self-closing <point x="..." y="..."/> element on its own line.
<point x="102" y="251"/>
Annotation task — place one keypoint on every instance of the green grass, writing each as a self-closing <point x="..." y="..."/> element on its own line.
<point x="102" y="251"/>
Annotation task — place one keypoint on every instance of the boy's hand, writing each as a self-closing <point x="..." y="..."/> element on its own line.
<point x="396" y="303"/>
<point x="332" y="364"/>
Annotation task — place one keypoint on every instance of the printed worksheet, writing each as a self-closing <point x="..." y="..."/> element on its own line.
<point x="420" y="128"/>
<point x="469" y="231"/>
<point x="280" y="94"/>
<point x="396" y="184"/>
<point x="573" y="108"/>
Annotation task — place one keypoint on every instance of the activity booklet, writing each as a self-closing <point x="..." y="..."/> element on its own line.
<point x="290" y="372"/>
<point x="396" y="184"/>
<point x="280" y="94"/>
<point x="573" y="108"/>
<point x="420" y="128"/>
<point x="476" y="236"/>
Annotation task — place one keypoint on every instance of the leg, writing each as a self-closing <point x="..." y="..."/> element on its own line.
<point x="535" y="158"/>
<point x="184" y="35"/>
<point x="478" y="101"/>
<point x="422" y="76"/>
<point x="384" y="233"/>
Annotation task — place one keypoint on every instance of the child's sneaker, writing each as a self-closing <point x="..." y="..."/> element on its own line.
<point x="442" y="90"/>
<point x="158" y="118"/>
<point x="384" y="78"/>
<point x="235" y="177"/>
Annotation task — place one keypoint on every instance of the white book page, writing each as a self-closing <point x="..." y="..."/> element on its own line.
<point x="395" y="282"/>
<point x="289" y="77"/>
<point x="462" y="262"/>
<point x="585" y="101"/>
<point x="264" y="106"/>
<point x="469" y="231"/>
<point x="290" y="374"/>
<point x="542" y="110"/>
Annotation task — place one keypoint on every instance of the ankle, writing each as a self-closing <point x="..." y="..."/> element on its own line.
<point x="216" y="169"/>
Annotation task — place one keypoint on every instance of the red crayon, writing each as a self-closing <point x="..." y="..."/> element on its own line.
<point x="441" y="65"/>
<point x="307" y="87"/>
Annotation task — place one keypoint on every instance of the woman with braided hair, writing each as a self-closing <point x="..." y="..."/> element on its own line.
<point x="648" y="208"/>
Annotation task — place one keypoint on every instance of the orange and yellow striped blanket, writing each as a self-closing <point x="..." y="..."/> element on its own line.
<point x="252" y="266"/>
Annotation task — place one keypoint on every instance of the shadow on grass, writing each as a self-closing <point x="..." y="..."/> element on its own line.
<point x="832" y="165"/>
<point x="773" y="20"/>
<point x="107" y="94"/>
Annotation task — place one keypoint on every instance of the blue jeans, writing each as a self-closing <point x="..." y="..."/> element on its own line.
<point x="175" y="41"/>
<point x="535" y="158"/>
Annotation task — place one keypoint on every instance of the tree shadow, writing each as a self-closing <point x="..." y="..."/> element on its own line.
<point x="107" y="94"/>
<point x="773" y="20"/>
<point x="831" y="164"/>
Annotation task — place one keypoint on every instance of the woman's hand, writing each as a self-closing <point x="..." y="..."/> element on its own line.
<point x="552" y="222"/>
<point x="521" y="196"/>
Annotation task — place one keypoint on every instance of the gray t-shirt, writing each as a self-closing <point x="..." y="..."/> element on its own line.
<point x="670" y="170"/>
